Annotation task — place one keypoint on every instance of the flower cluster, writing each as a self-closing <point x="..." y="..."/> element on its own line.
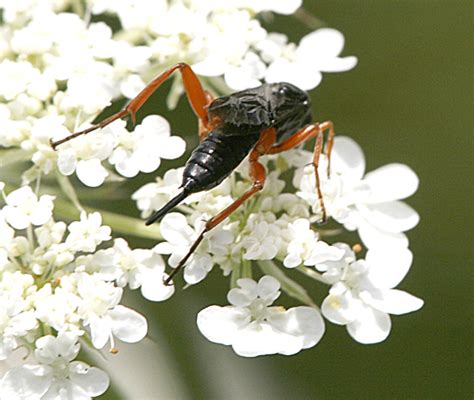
<point x="273" y="232"/>
<point x="59" y="71"/>
<point x="61" y="284"/>
<point x="224" y="38"/>
<point x="53" y="278"/>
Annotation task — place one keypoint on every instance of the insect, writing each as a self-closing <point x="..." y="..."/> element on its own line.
<point x="268" y="119"/>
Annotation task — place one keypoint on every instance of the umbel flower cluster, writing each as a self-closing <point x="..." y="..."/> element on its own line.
<point x="63" y="271"/>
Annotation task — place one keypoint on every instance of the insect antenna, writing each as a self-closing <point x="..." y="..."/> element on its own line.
<point x="167" y="207"/>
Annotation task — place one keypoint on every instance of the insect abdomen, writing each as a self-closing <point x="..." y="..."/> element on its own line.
<point x="214" y="159"/>
<point x="210" y="163"/>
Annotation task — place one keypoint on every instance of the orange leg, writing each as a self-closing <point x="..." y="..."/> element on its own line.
<point x="301" y="136"/>
<point x="257" y="174"/>
<point x="197" y="96"/>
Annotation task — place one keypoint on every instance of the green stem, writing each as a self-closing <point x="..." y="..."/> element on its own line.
<point x="68" y="189"/>
<point x="246" y="269"/>
<point x="311" y="273"/>
<point x="119" y="223"/>
<point x="235" y="275"/>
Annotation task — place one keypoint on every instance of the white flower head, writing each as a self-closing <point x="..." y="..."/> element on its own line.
<point x="88" y="233"/>
<point x="137" y="268"/>
<point x="363" y="296"/>
<point x="371" y="203"/>
<point x="24" y="208"/>
<point x="302" y="65"/>
<point x="56" y="375"/>
<point x="142" y="149"/>
<point x="179" y="236"/>
<point x="253" y="327"/>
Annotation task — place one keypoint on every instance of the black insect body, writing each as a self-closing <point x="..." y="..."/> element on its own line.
<point x="243" y="116"/>
<point x="269" y="119"/>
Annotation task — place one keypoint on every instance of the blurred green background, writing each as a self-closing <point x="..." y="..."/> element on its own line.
<point x="409" y="101"/>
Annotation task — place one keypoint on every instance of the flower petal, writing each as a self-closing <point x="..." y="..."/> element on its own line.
<point x="260" y="338"/>
<point x="391" y="182"/>
<point x="91" y="380"/>
<point x="28" y="382"/>
<point x="304" y="322"/>
<point x="392" y="217"/>
<point x="395" y="301"/>
<point x="374" y="238"/>
<point x="91" y="172"/>
<point x="340" y="308"/>
<point x="152" y="286"/>
<point x="268" y="289"/>
<point x="220" y="324"/>
<point x="388" y="268"/>
<point x="128" y="325"/>
<point x="347" y="158"/>
<point x="172" y="148"/>
<point x="175" y="229"/>
<point x="371" y="326"/>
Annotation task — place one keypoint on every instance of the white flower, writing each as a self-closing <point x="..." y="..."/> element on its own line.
<point x="317" y="52"/>
<point x="248" y="74"/>
<point x="137" y="268"/>
<point x="16" y="317"/>
<point x="367" y="203"/>
<point x="153" y="196"/>
<point x="252" y="327"/>
<point x="264" y="238"/>
<point x="86" y="234"/>
<point x="24" y="208"/>
<point x="363" y="297"/>
<point x="84" y="155"/>
<point x="180" y="236"/>
<point x="15" y="78"/>
<point x="101" y="313"/>
<point x="142" y="149"/>
<point x="56" y="376"/>
<point x="305" y="248"/>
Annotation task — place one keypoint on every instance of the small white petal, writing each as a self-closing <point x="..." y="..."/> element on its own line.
<point x="391" y="182"/>
<point x="91" y="172"/>
<point x="210" y="66"/>
<point x="128" y="325"/>
<point x="374" y="238"/>
<point x="198" y="268"/>
<point x="392" y="217"/>
<point x="347" y="158"/>
<point x="100" y="332"/>
<point x="340" y="309"/>
<point x="173" y="147"/>
<point x="153" y="288"/>
<point x="395" y="301"/>
<point x="220" y="324"/>
<point x="67" y="161"/>
<point x="16" y="217"/>
<point x="24" y="383"/>
<point x="239" y="297"/>
<point x="301" y="75"/>
<point x="175" y="229"/>
<point x="91" y="380"/>
<point x="371" y="326"/>
<point x="322" y="42"/>
<point x="261" y="338"/>
<point x="304" y="322"/>
<point x="388" y="268"/>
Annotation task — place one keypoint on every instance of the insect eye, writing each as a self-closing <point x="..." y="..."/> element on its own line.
<point x="282" y="91"/>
